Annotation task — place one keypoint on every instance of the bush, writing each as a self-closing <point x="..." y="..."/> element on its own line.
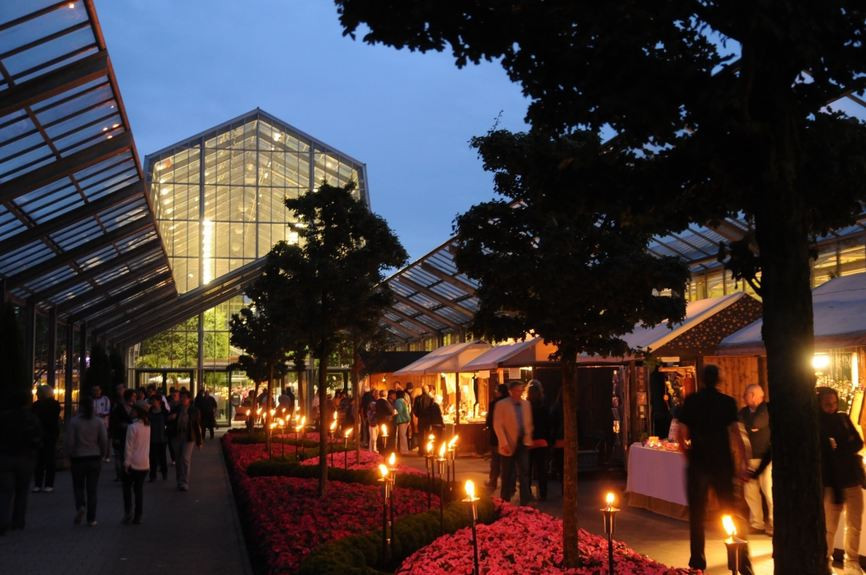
<point x="362" y="554"/>
<point x="286" y="467"/>
<point x="243" y="437"/>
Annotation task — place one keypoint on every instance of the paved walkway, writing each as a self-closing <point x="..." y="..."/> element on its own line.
<point x="192" y="532"/>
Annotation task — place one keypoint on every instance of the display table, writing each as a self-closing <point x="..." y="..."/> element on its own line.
<point x="657" y="481"/>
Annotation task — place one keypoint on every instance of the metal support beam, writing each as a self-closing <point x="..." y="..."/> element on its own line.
<point x="56" y="82"/>
<point x="82" y="357"/>
<point x="78" y="252"/>
<point x="102" y="305"/>
<point x="97" y="270"/>
<point x="51" y="360"/>
<point x="131" y="322"/>
<point x="199" y="380"/>
<point x="401" y="328"/>
<point x="118" y="282"/>
<point x="433" y="295"/>
<point x="76" y="162"/>
<point x="30" y="339"/>
<point x="67" y="372"/>
<point x="72" y="217"/>
<point x="96" y="320"/>
<point x="426" y="311"/>
<point x="434" y="271"/>
<point x="408" y="318"/>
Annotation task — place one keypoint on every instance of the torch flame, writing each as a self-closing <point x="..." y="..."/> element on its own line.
<point x="392" y="459"/>
<point x="333" y="425"/>
<point x="383" y="471"/>
<point x="431" y="437"/>
<point x="384" y="430"/>
<point x="336" y="413"/>
<point x="348" y="432"/>
<point x="609" y="499"/>
<point x="430" y="447"/>
<point x="470" y="489"/>
<point x="273" y="412"/>
<point x="728" y="524"/>
<point x="442" y="449"/>
<point x="453" y="441"/>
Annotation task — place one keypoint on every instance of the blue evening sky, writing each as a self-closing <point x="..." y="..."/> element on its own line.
<point x="186" y="65"/>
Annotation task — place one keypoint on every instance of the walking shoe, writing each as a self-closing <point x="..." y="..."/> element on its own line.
<point x="136" y="521"/>
<point x="48" y="489"/>
<point x="93" y="523"/>
<point x="79" y="515"/>
<point x="126" y="519"/>
<point x="36" y="489"/>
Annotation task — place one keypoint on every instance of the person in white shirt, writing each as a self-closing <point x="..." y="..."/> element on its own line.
<point x="512" y="423"/>
<point x="136" y="462"/>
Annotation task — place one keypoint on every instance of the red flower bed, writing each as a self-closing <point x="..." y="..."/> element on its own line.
<point x="288" y="520"/>
<point x="525" y="541"/>
<point x="369" y="460"/>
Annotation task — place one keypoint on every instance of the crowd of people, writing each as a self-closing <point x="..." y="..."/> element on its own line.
<point x="135" y="428"/>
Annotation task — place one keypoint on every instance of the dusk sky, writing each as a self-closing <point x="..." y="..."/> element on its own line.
<point x="185" y="66"/>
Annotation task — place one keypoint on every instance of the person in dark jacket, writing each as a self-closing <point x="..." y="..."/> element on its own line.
<point x="539" y="455"/>
<point x="187" y="422"/>
<point x="158" y="438"/>
<point x="47" y="410"/>
<point x="86" y="443"/>
<point x="20" y="438"/>
<point x="495" y="458"/>
<point x="421" y="411"/>
<point x="842" y="474"/>
<point x="207" y="407"/>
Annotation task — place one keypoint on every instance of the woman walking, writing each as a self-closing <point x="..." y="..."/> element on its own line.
<point x="136" y="462"/>
<point x="842" y="472"/>
<point x="86" y="443"/>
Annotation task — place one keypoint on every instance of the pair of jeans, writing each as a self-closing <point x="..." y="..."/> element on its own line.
<point x="698" y="483"/>
<point x="45" y="463"/>
<point x="514" y="468"/>
<point x="133" y="481"/>
<point x="402" y="438"/>
<point x="85" y="479"/>
<point x="158" y="460"/>
<point x="752" y="493"/>
<point x="539" y="457"/>
<point x="15" y="474"/>
<point x="183" y="461"/>
<point x="374" y="436"/>
<point x="853" y="506"/>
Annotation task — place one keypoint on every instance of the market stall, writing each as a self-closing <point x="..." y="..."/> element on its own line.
<point x="656" y="479"/>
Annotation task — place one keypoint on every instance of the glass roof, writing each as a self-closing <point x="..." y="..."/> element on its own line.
<point x="74" y="215"/>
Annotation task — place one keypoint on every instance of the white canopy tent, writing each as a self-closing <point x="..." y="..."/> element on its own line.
<point x="447" y="359"/>
<point x="516" y="354"/>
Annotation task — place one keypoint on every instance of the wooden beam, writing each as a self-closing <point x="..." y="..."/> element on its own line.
<point x="426" y="311"/>
<point x="55" y="82"/>
<point x="408" y="318"/>
<point x="79" y="251"/>
<point x="434" y="296"/>
<point x="402" y="328"/>
<point x="72" y="217"/>
<point x="63" y="167"/>
<point x="97" y="270"/>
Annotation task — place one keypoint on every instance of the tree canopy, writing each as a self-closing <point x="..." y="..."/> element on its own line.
<point x="551" y="262"/>
<point x="725" y="106"/>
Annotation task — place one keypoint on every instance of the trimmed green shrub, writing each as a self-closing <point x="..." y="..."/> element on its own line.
<point x="362" y="554"/>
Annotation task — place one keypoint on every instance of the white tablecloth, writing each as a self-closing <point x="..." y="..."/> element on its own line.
<point x="657" y="473"/>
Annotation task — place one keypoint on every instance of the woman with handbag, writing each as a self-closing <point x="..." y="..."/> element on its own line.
<point x="842" y="474"/>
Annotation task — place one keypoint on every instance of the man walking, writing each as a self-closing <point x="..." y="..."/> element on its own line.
<point x="495" y="458"/>
<point x="421" y="412"/>
<point x="512" y="422"/>
<point x="755" y="417"/>
<point x="709" y="421"/>
<point x="187" y="419"/>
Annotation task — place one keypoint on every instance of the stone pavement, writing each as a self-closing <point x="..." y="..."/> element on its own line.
<point x="192" y="532"/>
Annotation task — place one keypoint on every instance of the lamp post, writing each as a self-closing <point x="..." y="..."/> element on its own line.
<point x="452" y="453"/>
<point x="258" y="415"/>
<point x="732" y="543"/>
<point x="281" y="423"/>
<point x="332" y="430"/>
<point x="386" y="497"/>
<point x="440" y="462"/>
<point x="346" y="435"/>
<point x="384" y="436"/>
<point x="609" y="514"/>
<point x="392" y="477"/>
<point x="472" y="500"/>
<point x="431" y="472"/>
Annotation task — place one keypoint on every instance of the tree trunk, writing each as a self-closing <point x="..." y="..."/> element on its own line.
<point x="268" y="417"/>
<point x="571" y="555"/>
<point x="782" y="234"/>
<point x="323" y="423"/>
<point x="356" y="400"/>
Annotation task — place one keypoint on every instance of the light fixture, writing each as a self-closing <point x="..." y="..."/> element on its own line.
<point x="820" y="361"/>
